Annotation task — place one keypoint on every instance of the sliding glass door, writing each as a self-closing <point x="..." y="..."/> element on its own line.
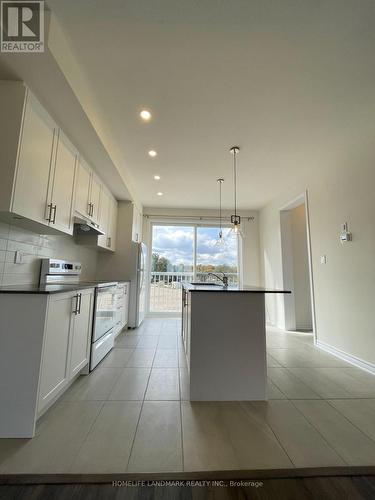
<point x="187" y="253"/>
<point x="211" y="258"/>
<point x="172" y="261"/>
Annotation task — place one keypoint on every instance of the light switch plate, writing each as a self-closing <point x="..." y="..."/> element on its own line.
<point x="323" y="259"/>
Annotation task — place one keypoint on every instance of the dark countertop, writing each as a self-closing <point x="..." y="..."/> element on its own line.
<point x="243" y="289"/>
<point x="44" y="289"/>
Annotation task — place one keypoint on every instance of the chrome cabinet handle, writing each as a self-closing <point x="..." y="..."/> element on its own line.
<point x="54" y="208"/>
<point x="80" y="303"/>
<point x="89" y="209"/>
<point x="109" y="241"/>
<point x="92" y="209"/>
<point x="49" y="212"/>
<point x="75" y="311"/>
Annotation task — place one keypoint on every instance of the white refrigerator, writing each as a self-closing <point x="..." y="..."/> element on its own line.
<point x="138" y="288"/>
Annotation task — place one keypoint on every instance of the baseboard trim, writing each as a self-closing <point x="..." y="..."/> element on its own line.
<point x="353" y="360"/>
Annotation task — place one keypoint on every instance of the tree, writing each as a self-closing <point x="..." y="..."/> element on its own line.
<point x="159" y="264"/>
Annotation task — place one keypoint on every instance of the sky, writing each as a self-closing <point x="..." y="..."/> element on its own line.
<point x="176" y="244"/>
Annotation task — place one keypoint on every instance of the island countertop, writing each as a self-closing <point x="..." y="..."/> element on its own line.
<point x="231" y="288"/>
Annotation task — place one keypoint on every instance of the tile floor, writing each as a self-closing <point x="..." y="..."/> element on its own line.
<point x="132" y="414"/>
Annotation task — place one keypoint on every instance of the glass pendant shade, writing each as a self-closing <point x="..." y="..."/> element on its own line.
<point x="221" y="242"/>
<point x="236" y="231"/>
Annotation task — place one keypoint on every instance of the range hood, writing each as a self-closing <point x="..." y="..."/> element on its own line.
<point x="85" y="227"/>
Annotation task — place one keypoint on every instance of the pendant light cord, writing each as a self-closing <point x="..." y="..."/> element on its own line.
<point x="235" y="181"/>
<point x="220" y="182"/>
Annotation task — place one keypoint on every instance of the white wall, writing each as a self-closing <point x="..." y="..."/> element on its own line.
<point x="119" y="265"/>
<point x="35" y="247"/>
<point x="345" y="286"/>
<point x="250" y="245"/>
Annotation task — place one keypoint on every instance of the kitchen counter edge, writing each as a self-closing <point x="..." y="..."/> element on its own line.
<point x="230" y="289"/>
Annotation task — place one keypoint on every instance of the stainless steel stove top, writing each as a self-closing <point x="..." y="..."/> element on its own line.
<point x="64" y="272"/>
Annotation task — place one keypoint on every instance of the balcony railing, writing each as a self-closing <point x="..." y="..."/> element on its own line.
<point x="165" y="289"/>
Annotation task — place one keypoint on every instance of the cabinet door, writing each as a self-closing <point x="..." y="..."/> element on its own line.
<point x="34" y="162"/>
<point x="55" y="362"/>
<point x="112" y="224"/>
<point x="139" y="225"/>
<point x="95" y="198"/>
<point x="83" y="189"/>
<point x="103" y="240"/>
<point x="63" y="186"/>
<point x="135" y="227"/>
<point x="126" y="307"/>
<point x="188" y="328"/>
<point x="81" y="332"/>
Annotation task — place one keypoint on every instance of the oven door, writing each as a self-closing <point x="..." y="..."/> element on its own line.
<point x="105" y="311"/>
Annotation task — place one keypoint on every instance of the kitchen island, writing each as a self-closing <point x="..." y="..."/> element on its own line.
<point x="224" y="336"/>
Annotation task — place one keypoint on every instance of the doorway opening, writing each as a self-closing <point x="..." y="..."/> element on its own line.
<point x="296" y="264"/>
<point x="187" y="253"/>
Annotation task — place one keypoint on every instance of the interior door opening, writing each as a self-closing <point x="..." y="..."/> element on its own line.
<point x="296" y="269"/>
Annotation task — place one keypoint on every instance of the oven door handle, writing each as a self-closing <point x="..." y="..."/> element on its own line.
<point x="75" y="311"/>
<point x="79" y="303"/>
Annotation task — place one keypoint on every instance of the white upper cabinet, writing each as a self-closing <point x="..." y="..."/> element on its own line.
<point x="60" y="204"/>
<point x="88" y="193"/>
<point x="104" y="218"/>
<point x="38" y="164"/>
<point x="28" y="138"/>
<point x="113" y="208"/>
<point x="82" y="199"/>
<point x="43" y="185"/>
<point x="96" y="187"/>
<point x="108" y="221"/>
<point x="137" y="225"/>
<point x="34" y="162"/>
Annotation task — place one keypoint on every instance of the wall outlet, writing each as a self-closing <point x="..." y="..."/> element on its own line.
<point x="323" y="259"/>
<point x="18" y="257"/>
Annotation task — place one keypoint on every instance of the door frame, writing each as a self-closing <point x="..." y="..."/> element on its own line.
<point x="289" y="309"/>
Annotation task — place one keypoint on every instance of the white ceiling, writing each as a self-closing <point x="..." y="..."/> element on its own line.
<point x="292" y="82"/>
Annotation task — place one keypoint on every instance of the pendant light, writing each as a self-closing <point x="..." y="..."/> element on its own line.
<point x="220" y="242"/>
<point x="235" y="219"/>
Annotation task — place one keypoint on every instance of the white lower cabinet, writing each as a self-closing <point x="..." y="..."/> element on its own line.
<point x="81" y="333"/>
<point x="54" y="372"/>
<point x="67" y="338"/>
<point x="122" y="304"/>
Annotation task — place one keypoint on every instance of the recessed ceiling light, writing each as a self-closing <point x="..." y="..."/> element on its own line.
<point x="157" y="177"/>
<point x="152" y="153"/>
<point x="160" y="193"/>
<point x="145" y="115"/>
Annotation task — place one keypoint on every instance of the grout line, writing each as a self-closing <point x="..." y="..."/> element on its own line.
<point x="140" y="413"/>
<point x="318" y="431"/>
<point x="352" y="423"/>
<point x="87" y="434"/>
<point x="273" y="432"/>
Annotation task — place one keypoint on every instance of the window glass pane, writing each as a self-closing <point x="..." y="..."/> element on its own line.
<point x="171" y="263"/>
<point x="214" y="258"/>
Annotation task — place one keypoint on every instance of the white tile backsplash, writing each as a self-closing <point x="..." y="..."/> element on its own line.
<point x="35" y="247"/>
